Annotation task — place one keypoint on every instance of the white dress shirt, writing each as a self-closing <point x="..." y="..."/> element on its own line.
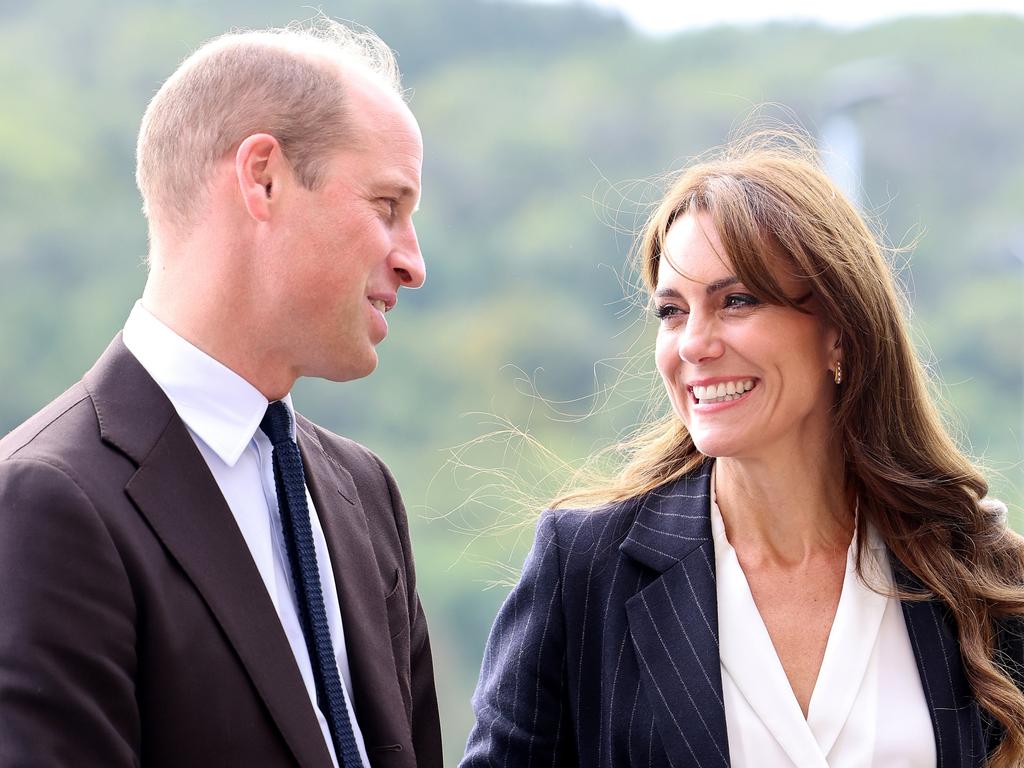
<point x="222" y="412"/>
<point x="868" y="706"/>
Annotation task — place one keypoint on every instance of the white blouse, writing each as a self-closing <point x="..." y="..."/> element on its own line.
<point x="868" y="706"/>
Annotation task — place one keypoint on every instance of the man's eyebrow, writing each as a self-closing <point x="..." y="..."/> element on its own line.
<point x="712" y="288"/>
<point x="403" y="191"/>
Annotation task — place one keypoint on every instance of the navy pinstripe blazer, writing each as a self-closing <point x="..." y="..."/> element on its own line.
<point x="606" y="652"/>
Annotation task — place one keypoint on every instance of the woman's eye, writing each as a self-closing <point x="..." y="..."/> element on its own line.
<point x="738" y="300"/>
<point x="668" y="311"/>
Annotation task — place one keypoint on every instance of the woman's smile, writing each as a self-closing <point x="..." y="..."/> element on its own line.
<point x="716" y="393"/>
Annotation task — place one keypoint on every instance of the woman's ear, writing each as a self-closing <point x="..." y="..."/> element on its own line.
<point x="834" y="340"/>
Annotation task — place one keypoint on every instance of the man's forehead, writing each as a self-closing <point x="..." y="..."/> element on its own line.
<point x="380" y="116"/>
<point x="382" y="131"/>
<point x="363" y="84"/>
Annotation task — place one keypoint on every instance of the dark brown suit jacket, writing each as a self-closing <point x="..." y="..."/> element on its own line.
<point x="134" y="625"/>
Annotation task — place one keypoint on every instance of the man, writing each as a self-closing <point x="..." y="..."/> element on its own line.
<point x="180" y="585"/>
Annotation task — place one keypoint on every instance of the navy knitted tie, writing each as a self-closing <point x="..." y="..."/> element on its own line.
<point x="309" y="597"/>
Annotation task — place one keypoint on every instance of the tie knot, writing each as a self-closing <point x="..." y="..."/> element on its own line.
<point x="277" y="423"/>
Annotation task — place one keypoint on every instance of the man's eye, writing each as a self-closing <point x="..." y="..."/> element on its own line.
<point x="390" y="206"/>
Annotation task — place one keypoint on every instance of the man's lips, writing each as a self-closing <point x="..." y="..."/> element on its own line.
<point x="383" y="302"/>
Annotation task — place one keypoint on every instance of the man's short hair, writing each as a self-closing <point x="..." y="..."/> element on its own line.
<point x="286" y="82"/>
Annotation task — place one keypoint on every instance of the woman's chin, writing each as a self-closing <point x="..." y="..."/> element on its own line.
<point x="716" y="446"/>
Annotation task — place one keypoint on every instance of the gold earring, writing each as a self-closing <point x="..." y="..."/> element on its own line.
<point x="839" y="373"/>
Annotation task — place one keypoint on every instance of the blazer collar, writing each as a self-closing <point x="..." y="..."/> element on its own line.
<point x="132" y="410"/>
<point x="673" y="621"/>
<point x="674" y="626"/>
<point x="175" y="492"/>
<point x="671" y="522"/>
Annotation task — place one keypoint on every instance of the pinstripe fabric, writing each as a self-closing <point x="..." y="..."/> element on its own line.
<point x="1011" y="644"/>
<point x="956" y="718"/>
<point x="606" y="651"/>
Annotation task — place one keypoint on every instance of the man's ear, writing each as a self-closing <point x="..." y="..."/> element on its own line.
<point x="259" y="166"/>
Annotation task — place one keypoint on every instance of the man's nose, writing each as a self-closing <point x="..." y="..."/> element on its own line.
<point x="407" y="260"/>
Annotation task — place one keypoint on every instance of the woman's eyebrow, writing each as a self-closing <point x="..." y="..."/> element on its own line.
<point x="712" y="288"/>
<point x="716" y="285"/>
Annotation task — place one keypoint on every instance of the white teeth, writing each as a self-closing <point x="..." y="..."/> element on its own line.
<point x="379" y="305"/>
<point x="723" y="392"/>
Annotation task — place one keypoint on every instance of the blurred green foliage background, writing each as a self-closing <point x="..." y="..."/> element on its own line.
<point x="545" y="129"/>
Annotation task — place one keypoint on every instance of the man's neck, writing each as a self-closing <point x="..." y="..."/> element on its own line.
<point x="222" y="328"/>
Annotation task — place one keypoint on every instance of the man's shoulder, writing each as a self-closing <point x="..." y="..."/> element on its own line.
<point x="355" y="458"/>
<point x="68" y="420"/>
<point x="359" y="474"/>
<point x="56" y="457"/>
<point x="109" y="403"/>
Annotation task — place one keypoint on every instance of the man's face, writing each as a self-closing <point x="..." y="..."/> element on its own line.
<point x="348" y="246"/>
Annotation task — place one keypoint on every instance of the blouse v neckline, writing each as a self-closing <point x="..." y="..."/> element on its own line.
<point x="750" y="662"/>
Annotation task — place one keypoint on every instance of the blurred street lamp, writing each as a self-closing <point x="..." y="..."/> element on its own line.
<point x="848" y="89"/>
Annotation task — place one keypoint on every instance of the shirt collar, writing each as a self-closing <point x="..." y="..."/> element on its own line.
<point x="220" y="407"/>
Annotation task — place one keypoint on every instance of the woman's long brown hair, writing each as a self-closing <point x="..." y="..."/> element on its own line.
<point x="766" y="194"/>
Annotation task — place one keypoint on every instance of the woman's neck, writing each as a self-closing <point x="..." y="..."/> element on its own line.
<point x="785" y="511"/>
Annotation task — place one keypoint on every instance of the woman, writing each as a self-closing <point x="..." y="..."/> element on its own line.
<point x="795" y="566"/>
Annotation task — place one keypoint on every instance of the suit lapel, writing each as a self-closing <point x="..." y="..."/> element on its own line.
<point x="174" y="490"/>
<point x="673" y="621"/>
<point x="956" y="719"/>
<point x="674" y="626"/>
<point x="378" y="698"/>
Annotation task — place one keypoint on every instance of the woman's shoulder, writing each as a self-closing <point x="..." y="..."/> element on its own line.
<point x="580" y="530"/>
<point x="597" y="532"/>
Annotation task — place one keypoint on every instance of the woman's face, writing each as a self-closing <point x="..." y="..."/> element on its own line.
<point x="748" y="379"/>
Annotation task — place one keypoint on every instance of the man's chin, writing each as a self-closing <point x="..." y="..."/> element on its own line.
<point x="352" y="369"/>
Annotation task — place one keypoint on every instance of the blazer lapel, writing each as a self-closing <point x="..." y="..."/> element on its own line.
<point x="956" y="718"/>
<point x="174" y="490"/>
<point x="378" y="698"/>
<point x="673" y="621"/>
